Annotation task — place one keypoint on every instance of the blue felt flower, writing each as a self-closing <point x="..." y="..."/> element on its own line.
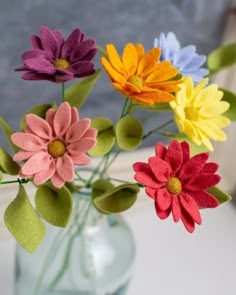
<point x="186" y="59"/>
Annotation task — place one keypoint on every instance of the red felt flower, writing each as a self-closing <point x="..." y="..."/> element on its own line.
<point x="178" y="183"/>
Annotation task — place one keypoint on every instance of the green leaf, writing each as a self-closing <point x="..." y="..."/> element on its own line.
<point x="7" y="165"/>
<point x="158" y="107"/>
<point x="221" y="58"/>
<point x="55" y="205"/>
<point x="8" y="131"/>
<point x="230" y="97"/>
<point x="22" y="221"/>
<point x="115" y="200"/>
<point x="105" y="137"/>
<point x="39" y="110"/>
<point x="129" y="133"/>
<point x="194" y="149"/>
<point x="219" y="194"/>
<point x="101" y="186"/>
<point x="102" y="51"/>
<point x="72" y="187"/>
<point x="77" y="93"/>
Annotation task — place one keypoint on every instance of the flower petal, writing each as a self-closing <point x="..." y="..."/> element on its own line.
<point x="62" y="119"/>
<point x="27" y="142"/>
<point x="65" y="168"/>
<point x="174" y="156"/>
<point x="44" y="175"/>
<point x="204" y="199"/>
<point x="188" y="222"/>
<point x="160" y="169"/>
<point x="163" y="199"/>
<point x="82" y="146"/>
<point x="48" y="41"/>
<point x="23" y="155"/>
<point x="160" y="150"/>
<point x="145" y="175"/>
<point x="80" y="159"/>
<point x="38" y="162"/>
<point x="160" y="213"/>
<point x="39" y="126"/>
<point x="176" y="211"/>
<point x="77" y="130"/>
<point x="193" y="166"/>
<point x="130" y="58"/>
<point x="40" y="65"/>
<point x="202" y="181"/>
<point x="191" y="207"/>
<point x="71" y="43"/>
<point x="57" y="181"/>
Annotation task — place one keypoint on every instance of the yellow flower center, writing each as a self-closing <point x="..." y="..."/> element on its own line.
<point x="136" y="80"/>
<point x="174" y="186"/>
<point x="61" y="64"/>
<point x="191" y="113"/>
<point x="56" y="148"/>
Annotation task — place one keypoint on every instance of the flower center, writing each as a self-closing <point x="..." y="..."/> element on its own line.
<point x="174" y="186"/>
<point x="135" y="80"/>
<point x="191" y="113"/>
<point x="61" y="64"/>
<point x="56" y="148"/>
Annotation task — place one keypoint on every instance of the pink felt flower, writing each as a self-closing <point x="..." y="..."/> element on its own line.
<point x="53" y="146"/>
<point x="57" y="60"/>
<point x="178" y="183"/>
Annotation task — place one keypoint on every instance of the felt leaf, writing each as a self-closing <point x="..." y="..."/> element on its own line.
<point x="8" y="131"/>
<point x="219" y="194"/>
<point x="39" y="110"/>
<point x="72" y="187"/>
<point x="55" y="205"/>
<point x="7" y="165"/>
<point x="158" y="107"/>
<point x="1" y="175"/>
<point x="194" y="149"/>
<point x="129" y="133"/>
<point x="105" y="136"/>
<point x="23" y="222"/>
<point x="101" y="186"/>
<point x="117" y="199"/>
<point x="230" y="97"/>
<point x="76" y="94"/>
<point x="102" y="51"/>
<point x="221" y="58"/>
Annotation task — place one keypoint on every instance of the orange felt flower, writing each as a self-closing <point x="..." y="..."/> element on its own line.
<point x="139" y="76"/>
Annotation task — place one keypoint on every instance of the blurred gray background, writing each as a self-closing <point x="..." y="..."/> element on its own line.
<point x="198" y="22"/>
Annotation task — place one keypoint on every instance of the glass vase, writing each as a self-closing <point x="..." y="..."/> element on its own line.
<point x="93" y="255"/>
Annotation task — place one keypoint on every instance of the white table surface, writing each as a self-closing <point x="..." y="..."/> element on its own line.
<point x="170" y="261"/>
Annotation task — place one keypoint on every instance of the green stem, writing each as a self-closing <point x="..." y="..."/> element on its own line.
<point x="158" y="128"/>
<point x="123" y="112"/>
<point x="18" y="180"/>
<point x="63" y="91"/>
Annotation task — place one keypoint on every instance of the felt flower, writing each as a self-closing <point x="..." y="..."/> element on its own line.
<point x="178" y="183"/>
<point x="57" y="60"/>
<point x="198" y="112"/>
<point x="186" y="59"/>
<point x="139" y="76"/>
<point x="53" y="146"/>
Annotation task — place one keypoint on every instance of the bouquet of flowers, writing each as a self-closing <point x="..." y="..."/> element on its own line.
<point x="54" y="141"/>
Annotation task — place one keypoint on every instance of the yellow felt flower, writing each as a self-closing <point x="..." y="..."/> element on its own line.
<point x="198" y="112"/>
<point x="139" y="76"/>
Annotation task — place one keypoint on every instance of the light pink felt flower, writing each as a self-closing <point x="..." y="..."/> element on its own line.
<point x="178" y="183"/>
<point x="53" y="146"/>
<point x="57" y="60"/>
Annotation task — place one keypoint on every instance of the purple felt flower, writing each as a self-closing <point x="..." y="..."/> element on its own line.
<point x="57" y="60"/>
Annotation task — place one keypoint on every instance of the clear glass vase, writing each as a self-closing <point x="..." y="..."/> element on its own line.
<point x="94" y="255"/>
